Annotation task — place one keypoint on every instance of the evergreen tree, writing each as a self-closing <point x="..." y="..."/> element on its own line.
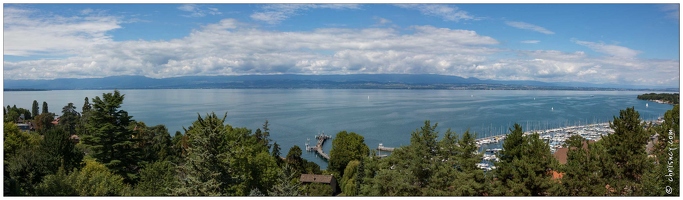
<point x="110" y="140"/>
<point x="60" y="151"/>
<point x="70" y="118"/>
<point x="162" y="144"/>
<point x="263" y="137"/>
<point x="666" y="156"/>
<point x="582" y="173"/>
<point x="525" y="166"/>
<point x="360" y="177"/>
<point x="295" y="161"/>
<point x="45" y="110"/>
<point x="207" y="170"/>
<point x="86" y="106"/>
<point x="34" y="109"/>
<point x="423" y="148"/>
<point x="626" y="151"/>
<point x="81" y="127"/>
<point x="470" y="180"/>
<point x="276" y="154"/>
<point x="287" y="183"/>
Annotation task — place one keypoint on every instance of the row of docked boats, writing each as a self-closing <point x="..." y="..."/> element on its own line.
<point x="554" y="137"/>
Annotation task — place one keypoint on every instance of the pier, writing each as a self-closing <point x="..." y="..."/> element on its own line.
<point x="319" y="146"/>
<point x="383" y="148"/>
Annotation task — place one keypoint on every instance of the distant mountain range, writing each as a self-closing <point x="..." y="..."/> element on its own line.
<point x="360" y="81"/>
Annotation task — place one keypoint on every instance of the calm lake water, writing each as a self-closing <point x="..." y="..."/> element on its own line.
<point x="381" y="116"/>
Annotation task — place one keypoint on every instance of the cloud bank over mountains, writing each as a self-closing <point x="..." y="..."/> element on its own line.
<point x="81" y="46"/>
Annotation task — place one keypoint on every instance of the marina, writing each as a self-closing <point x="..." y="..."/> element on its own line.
<point x="490" y="146"/>
<point x="555" y="138"/>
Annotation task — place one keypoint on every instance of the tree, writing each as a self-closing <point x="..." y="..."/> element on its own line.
<point x="43" y="122"/>
<point x="24" y="163"/>
<point x="626" y="149"/>
<point x="154" y="142"/>
<point x="56" y="185"/>
<point x="86" y="106"/>
<point x="157" y="179"/>
<point x="60" y="151"/>
<point x="294" y="160"/>
<point x="582" y="173"/>
<point x="179" y="142"/>
<point x="34" y="109"/>
<point x="317" y="189"/>
<point x="469" y="179"/>
<point x="110" y="140"/>
<point x="162" y="144"/>
<point x="207" y="170"/>
<point x="15" y="140"/>
<point x="345" y="148"/>
<point x="14" y="113"/>
<point x="45" y="110"/>
<point x="348" y="181"/>
<point x="525" y="166"/>
<point x="412" y="170"/>
<point x="287" y="183"/>
<point x="276" y="154"/>
<point x="69" y="118"/>
<point x="94" y="179"/>
<point x="81" y="127"/>
<point x="11" y="116"/>
<point x="263" y="137"/>
<point x="423" y="148"/>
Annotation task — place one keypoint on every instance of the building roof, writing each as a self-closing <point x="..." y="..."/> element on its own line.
<point x="557" y="175"/>
<point x="561" y="153"/>
<point x="315" y="178"/>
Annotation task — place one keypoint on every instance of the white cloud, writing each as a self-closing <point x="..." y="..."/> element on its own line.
<point x="381" y="21"/>
<point x="447" y="13"/>
<point x="231" y="47"/>
<point x="86" y="11"/>
<point x="276" y="13"/>
<point x="672" y="11"/>
<point x="198" y="11"/>
<point x="530" y="41"/>
<point x="228" y="48"/>
<point x="531" y="27"/>
<point x="613" y="50"/>
<point x="28" y="35"/>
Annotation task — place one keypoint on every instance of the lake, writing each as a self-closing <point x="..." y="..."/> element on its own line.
<point x="381" y="116"/>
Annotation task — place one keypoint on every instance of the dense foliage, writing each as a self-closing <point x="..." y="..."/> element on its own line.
<point x="672" y="98"/>
<point x="118" y="156"/>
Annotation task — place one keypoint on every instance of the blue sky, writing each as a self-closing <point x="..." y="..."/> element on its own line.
<point x="635" y="44"/>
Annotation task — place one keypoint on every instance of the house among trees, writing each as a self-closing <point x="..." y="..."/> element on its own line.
<point x="324" y="179"/>
<point x="561" y="153"/>
<point x="56" y="121"/>
<point x="24" y="127"/>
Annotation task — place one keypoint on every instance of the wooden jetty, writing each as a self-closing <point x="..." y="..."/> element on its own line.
<point x="319" y="147"/>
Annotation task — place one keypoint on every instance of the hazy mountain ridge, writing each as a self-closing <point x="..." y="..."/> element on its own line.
<point x="366" y="81"/>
